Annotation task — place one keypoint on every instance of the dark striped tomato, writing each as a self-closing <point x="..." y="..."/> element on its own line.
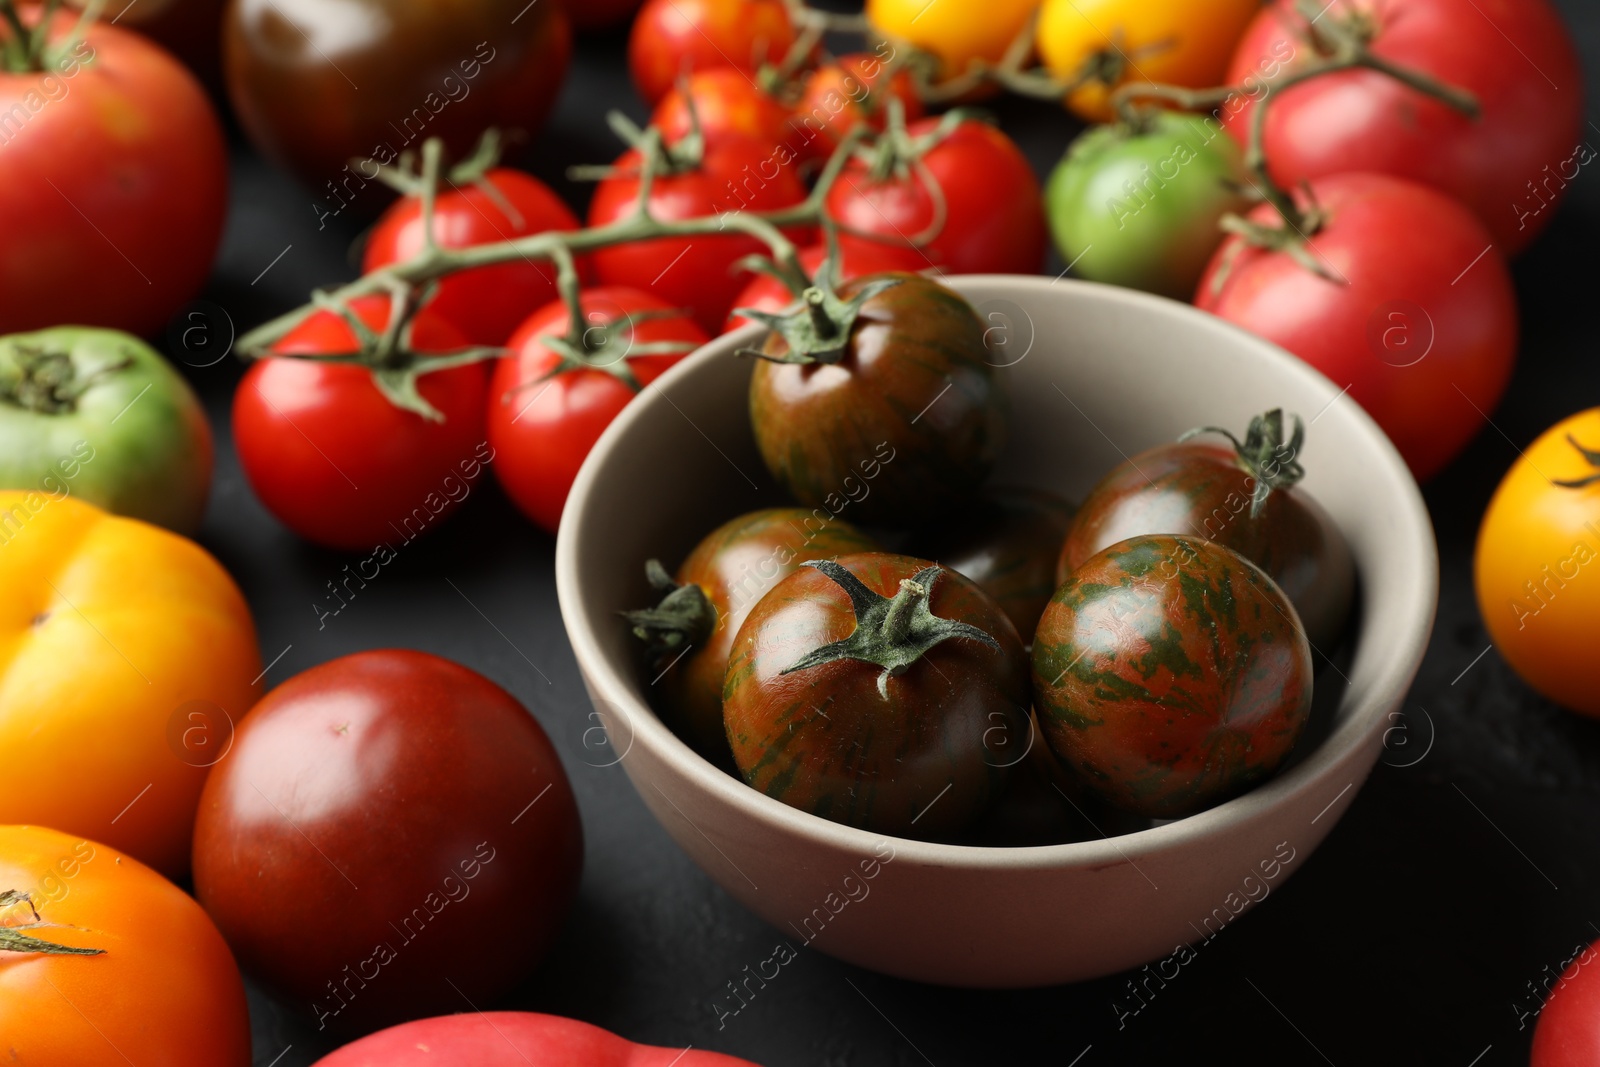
<point x="1171" y="674"/>
<point x="725" y="575"/>
<point x="907" y="421"/>
<point x="921" y="748"/>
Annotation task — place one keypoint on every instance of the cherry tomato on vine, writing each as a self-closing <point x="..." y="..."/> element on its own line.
<point x="1510" y="164"/>
<point x="1175" y="42"/>
<point x="484" y="305"/>
<point x="1536" y="545"/>
<point x="851" y="91"/>
<point x="98" y="952"/>
<point x="550" y="400"/>
<point x="113" y="181"/>
<point x="1171" y="674"/>
<point x="954" y="34"/>
<point x="673" y="36"/>
<point x="767" y="293"/>
<point x="1568" y="1033"/>
<point x="971" y="204"/>
<point x="727" y="101"/>
<point x="705" y="603"/>
<point x="734" y="174"/>
<point x="1418" y="317"/>
<point x="871" y="689"/>
<point x="338" y="461"/>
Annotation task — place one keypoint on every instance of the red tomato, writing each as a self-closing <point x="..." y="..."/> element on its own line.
<point x="736" y="174"/>
<point x="1568" y="1034"/>
<point x="850" y="92"/>
<point x="726" y="101"/>
<point x="671" y="37"/>
<point x="766" y="293"/>
<point x="541" y="429"/>
<point x="993" y="220"/>
<point x="1510" y="165"/>
<point x="113" y="185"/>
<point x="1423" y="327"/>
<point x="335" y="460"/>
<point x="486" y="304"/>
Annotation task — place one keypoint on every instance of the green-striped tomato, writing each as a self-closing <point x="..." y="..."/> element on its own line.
<point x="1171" y="674"/>
<point x="880" y="691"/>
<point x="690" y="633"/>
<point x="905" y="421"/>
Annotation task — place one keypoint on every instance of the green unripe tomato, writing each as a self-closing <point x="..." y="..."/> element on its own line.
<point x="100" y="415"/>
<point x="1140" y="208"/>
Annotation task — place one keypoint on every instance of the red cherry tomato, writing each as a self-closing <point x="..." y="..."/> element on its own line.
<point x="727" y="101"/>
<point x="486" y="304"/>
<point x="672" y="37"/>
<point x="736" y="174"/>
<point x="1568" y="1034"/>
<point x="1422" y="328"/>
<point x="1510" y="165"/>
<point x="766" y="293"/>
<point x="543" y="420"/>
<point x="853" y="90"/>
<point x="992" y="220"/>
<point x="335" y="460"/>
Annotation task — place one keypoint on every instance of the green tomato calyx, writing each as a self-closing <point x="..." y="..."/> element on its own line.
<point x="607" y="346"/>
<point x="1591" y="457"/>
<point x="891" y="632"/>
<point x="1270" y="462"/>
<point x="13" y="940"/>
<point x="817" y="328"/>
<point x="47" y="381"/>
<point x="685" y="616"/>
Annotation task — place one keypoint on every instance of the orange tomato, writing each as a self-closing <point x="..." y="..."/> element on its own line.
<point x="126" y="652"/>
<point x="1176" y="42"/>
<point x="955" y="32"/>
<point x="1538" y="564"/>
<point x="162" y="990"/>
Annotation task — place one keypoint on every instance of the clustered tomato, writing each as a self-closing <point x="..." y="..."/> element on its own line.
<point x="671" y="37"/>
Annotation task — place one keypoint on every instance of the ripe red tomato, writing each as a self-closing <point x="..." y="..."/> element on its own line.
<point x="1422" y="327"/>
<point x="113" y="184"/>
<point x="735" y="174"/>
<point x="1568" y="1034"/>
<point x="383" y="822"/>
<point x="484" y="305"/>
<point x="992" y="220"/>
<point x="853" y="90"/>
<point x="1510" y="165"/>
<point x="727" y="101"/>
<point x="671" y="37"/>
<point x="766" y="293"/>
<point x="544" y="418"/>
<point x="339" y="463"/>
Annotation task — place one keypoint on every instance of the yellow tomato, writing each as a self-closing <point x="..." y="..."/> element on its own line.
<point x="1538" y="565"/>
<point x="126" y="652"/>
<point x="1176" y="42"/>
<point x="956" y="31"/>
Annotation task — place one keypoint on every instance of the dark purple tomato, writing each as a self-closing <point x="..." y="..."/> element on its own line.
<point x="1171" y="674"/>
<point x="390" y="833"/>
<point x="901" y="414"/>
<point x="880" y="691"/>
<point x="1197" y="489"/>
<point x="690" y="632"/>
<point x="1008" y="542"/>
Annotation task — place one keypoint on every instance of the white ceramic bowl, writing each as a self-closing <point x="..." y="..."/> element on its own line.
<point x="1094" y="373"/>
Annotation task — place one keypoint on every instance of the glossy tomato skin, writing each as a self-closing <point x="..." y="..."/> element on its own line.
<point x="825" y="741"/>
<point x="163" y="658"/>
<point x="511" y="1039"/>
<point x="1537" y="541"/>
<point x="1424" y="328"/>
<point x="736" y="174"/>
<point x="853" y="90"/>
<point x="113" y="186"/>
<point x="726" y="101"/>
<point x="993" y="222"/>
<point x="956" y="34"/>
<point x="1171" y="674"/>
<point x="766" y="293"/>
<point x="384" y="821"/>
<point x="164" y="989"/>
<point x="316" y="85"/>
<point x="1568" y="1033"/>
<point x="673" y="36"/>
<point x="906" y="425"/>
<point x="339" y="464"/>
<point x="1510" y="164"/>
<point x="487" y="304"/>
<point x="1197" y="489"/>
<point x="1007" y="543"/>
<point x="541" y="430"/>
<point x="734" y="566"/>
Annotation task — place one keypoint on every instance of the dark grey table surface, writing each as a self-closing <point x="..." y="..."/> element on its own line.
<point x="1468" y="864"/>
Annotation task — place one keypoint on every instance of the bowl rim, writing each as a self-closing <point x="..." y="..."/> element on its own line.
<point x="1343" y="743"/>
